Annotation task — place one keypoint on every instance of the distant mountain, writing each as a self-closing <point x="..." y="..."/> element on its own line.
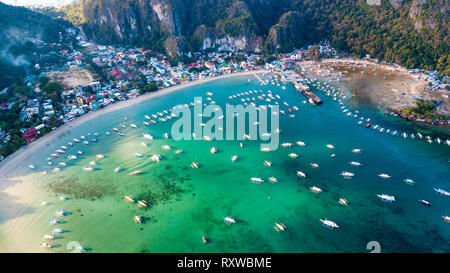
<point x="20" y="29"/>
<point x="411" y="32"/>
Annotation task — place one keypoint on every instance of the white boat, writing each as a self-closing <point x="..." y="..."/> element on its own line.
<point x="409" y="181"/>
<point x="128" y="198"/>
<point x="273" y="179"/>
<point x="386" y="198"/>
<point x="178" y="152"/>
<point x="315" y="189"/>
<point x="79" y="152"/>
<point x="279" y="227"/>
<point x="446" y="218"/>
<point x="137" y="219"/>
<point x="441" y="191"/>
<point x="356" y="151"/>
<point x="60" y="212"/>
<point x="347" y="175"/>
<point x="88" y="168"/>
<point x="142" y="204"/>
<point x="133" y="125"/>
<point x="286" y="145"/>
<point x="354" y="163"/>
<point x="267" y="163"/>
<point x="62" y="164"/>
<point x="229" y="220"/>
<point x="92" y="163"/>
<point x="155" y="157"/>
<point x="213" y="150"/>
<point x="301" y="174"/>
<point x="257" y="180"/>
<point x="31" y="167"/>
<point x="329" y="224"/>
<point x="195" y="165"/>
<point x="329" y="146"/>
<point x="148" y="136"/>
<point x="234" y="158"/>
<point x="265" y="150"/>
<point x="117" y="170"/>
<point x="135" y="173"/>
<point x="384" y="176"/>
<point x="343" y="201"/>
<point x="138" y="155"/>
<point x="293" y="155"/>
<point x="166" y="147"/>
<point x="48" y="237"/>
<point x="314" y="165"/>
<point x="72" y="157"/>
<point x="46" y="245"/>
<point x="57" y="231"/>
<point x="100" y="156"/>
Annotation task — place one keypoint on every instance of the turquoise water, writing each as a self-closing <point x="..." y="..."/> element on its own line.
<point x="187" y="203"/>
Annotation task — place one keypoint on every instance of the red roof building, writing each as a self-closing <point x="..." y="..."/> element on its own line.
<point x="30" y="134"/>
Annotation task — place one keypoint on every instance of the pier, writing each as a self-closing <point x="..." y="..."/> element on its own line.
<point x="304" y="90"/>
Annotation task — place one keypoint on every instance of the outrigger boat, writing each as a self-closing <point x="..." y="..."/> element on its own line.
<point x="286" y="145"/>
<point x="257" y="180"/>
<point x="117" y="170"/>
<point x="135" y="173"/>
<point x="425" y="203"/>
<point x="195" y="165"/>
<point x="48" y="237"/>
<point x="178" y="152"/>
<point x="234" y="158"/>
<point x="213" y="150"/>
<point x="46" y="245"/>
<point x="166" y="147"/>
<point x="329" y="146"/>
<point x="293" y="155"/>
<point x="301" y="174"/>
<point x="279" y="227"/>
<point x="441" y="191"/>
<point x="31" y="167"/>
<point x="301" y="143"/>
<point x="409" y="181"/>
<point x="354" y="163"/>
<point x="384" y="176"/>
<point x="314" y="165"/>
<point x="446" y="218"/>
<point x="142" y="204"/>
<point x="128" y="198"/>
<point x="137" y="219"/>
<point x="100" y="156"/>
<point x="329" y="224"/>
<point x="386" y="198"/>
<point x="229" y="220"/>
<point x="343" y="201"/>
<point x="347" y="175"/>
<point x="267" y="163"/>
<point x="155" y="158"/>
<point x="88" y="168"/>
<point x="357" y="151"/>
<point x="315" y="189"/>
<point x="148" y="136"/>
<point x="273" y="179"/>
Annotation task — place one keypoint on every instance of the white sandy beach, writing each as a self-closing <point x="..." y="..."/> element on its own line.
<point x="13" y="161"/>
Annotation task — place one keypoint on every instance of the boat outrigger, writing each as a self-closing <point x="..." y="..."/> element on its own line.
<point x="279" y="227"/>
<point x="257" y="180"/>
<point x="347" y="175"/>
<point x="328" y="223"/>
<point x="229" y="220"/>
<point x="386" y="198"/>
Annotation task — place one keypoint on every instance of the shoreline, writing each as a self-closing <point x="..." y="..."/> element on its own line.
<point x="16" y="158"/>
<point x="392" y="87"/>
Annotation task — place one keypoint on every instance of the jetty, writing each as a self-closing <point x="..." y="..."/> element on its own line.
<point x="304" y="90"/>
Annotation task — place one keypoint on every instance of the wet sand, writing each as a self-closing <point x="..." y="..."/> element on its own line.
<point x="387" y="87"/>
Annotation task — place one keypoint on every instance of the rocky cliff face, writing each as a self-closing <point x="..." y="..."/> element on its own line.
<point x="178" y="26"/>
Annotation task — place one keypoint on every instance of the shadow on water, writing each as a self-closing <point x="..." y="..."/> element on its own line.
<point x="9" y="203"/>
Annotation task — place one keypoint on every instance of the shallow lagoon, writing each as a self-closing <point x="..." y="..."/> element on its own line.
<point x="187" y="203"/>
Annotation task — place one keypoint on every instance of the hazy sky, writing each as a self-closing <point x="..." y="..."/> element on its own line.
<point x="37" y="2"/>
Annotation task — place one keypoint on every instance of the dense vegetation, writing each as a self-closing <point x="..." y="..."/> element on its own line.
<point x="409" y="32"/>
